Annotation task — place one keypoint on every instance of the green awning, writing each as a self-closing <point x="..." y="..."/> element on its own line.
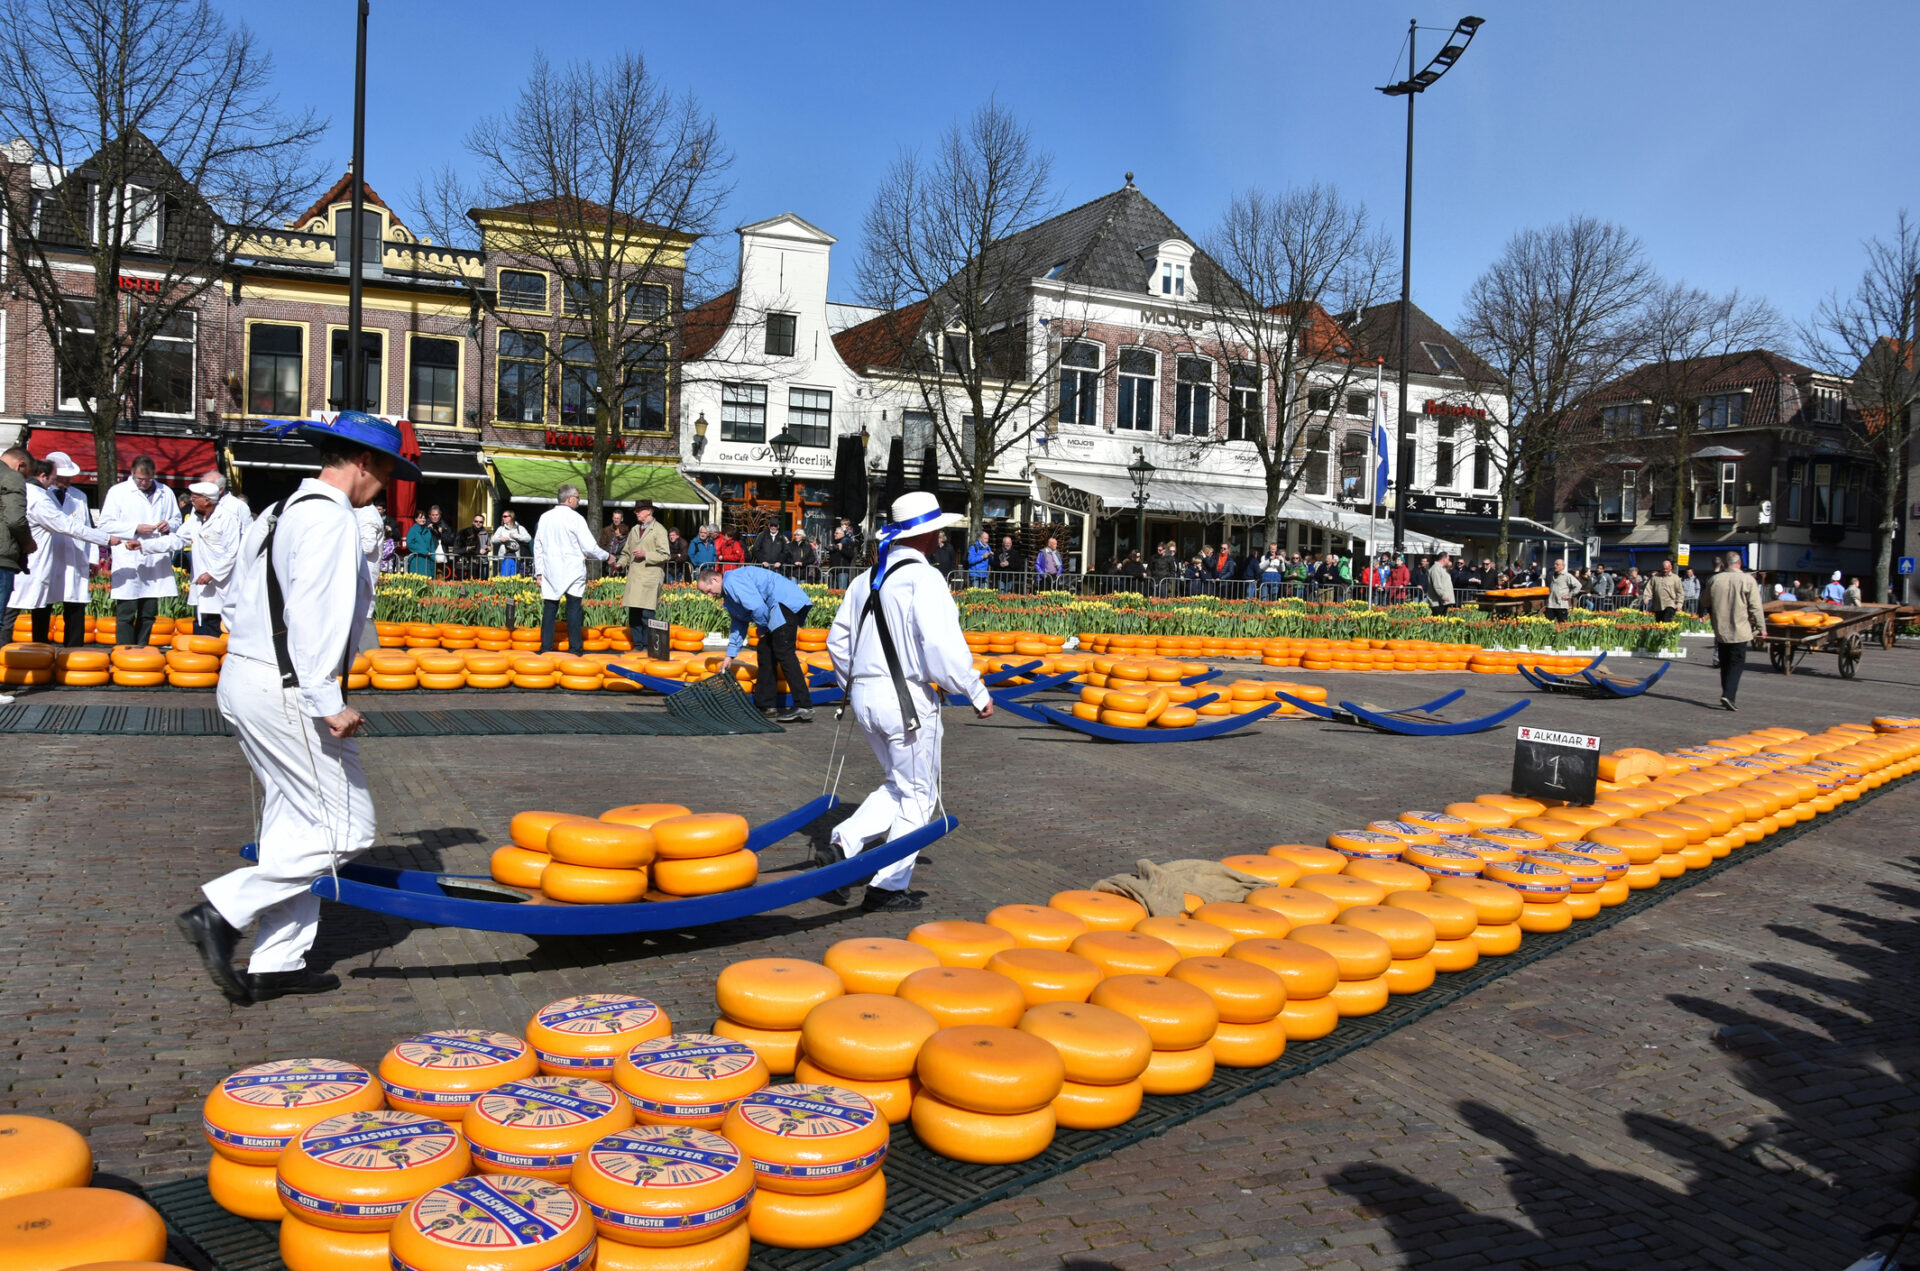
<point x="532" y="480"/>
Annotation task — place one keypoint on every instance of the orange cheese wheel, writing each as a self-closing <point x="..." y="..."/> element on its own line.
<point x="979" y="1137"/>
<point x="532" y="681"/>
<point x="1296" y="904"/>
<point x="774" y="993"/>
<point x="1670" y="837"/>
<point x="874" y="964"/>
<point x="660" y="1186"/>
<point x="1244" y="921"/>
<point x="1451" y="917"/>
<point x="1517" y="838"/>
<point x="1309" y="1019"/>
<point x="305" y="1247"/>
<point x="967" y="944"/>
<point x="1355" y="998"/>
<point x="518" y="867"/>
<point x="192" y="663"/>
<point x="124" y="657"/>
<point x="1612" y="861"/>
<point x="1583" y="905"/>
<point x="251" y="1116"/>
<point x="787" y="1221"/>
<point x="126" y="679"/>
<point x="440" y="1073"/>
<point x="688" y="1078"/>
<point x="1271" y="870"/>
<point x="706" y="875"/>
<point x="1535" y="882"/>
<point x="1399" y="875"/>
<point x="1037" y="926"/>
<point x="1497" y="939"/>
<point x="1178" y="1071"/>
<point x="72" y="1226"/>
<point x="601" y="844"/>
<point x="1192" y="938"/>
<point x="506" y="1222"/>
<point x="1640" y="845"/>
<point x="643" y="815"/>
<point x="529" y="829"/>
<point x="1310" y="859"/>
<point x="956" y="995"/>
<point x="1551" y="828"/>
<point x="1584" y="874"/>
<point x="358" y="1171"/>
<point x="585" y="1036"/>
<point x="778" y="1048"/>
<point x="698" y="834"/>
<point x="1126" y="952"/>
<point x="1243" y="992"/>
<point x="1086" y="1107"/>
<point x="1455" y="955"/>
<point x="40" y="1155"/>
<point x="1002" y="1071"/>
<point x="1405" y="831"/>
<point x="1545" y="917"/>
<point x="1176" y="1014"/>
<point x="585" y="885"/>
<point x="1408" y="934"/>
<point x="1098" y="1045"/>
<point x="1480" y="815"/>
<point x="1516" y="804"/>
<point x="1047" y="975"/>
<point x="540" y="1126"/>
<point x="1100" y="910"/>
<point x="1367" y="844"/>
<point x="808" y="1139"/>
<point x="1248" y="1045"/>
<point x="439" y="680"/>
<point x="1440" y="822"/>
<point x="893" y="1098"/>
<point x="251" y="1191"/>
<point x="1344" y="890"/>
<point x="1444" y="860"/>
<point x="1483" y="848"/>
<point x="1305" y="971"/>
<point x="1496" y="903"/>
<point x="1360" y="955"/>
<point x="867" y="1036"/>
<point x="1411" y="975"/>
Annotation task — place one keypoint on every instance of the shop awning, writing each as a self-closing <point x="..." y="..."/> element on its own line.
<point x="1484" y="527"/>
<point x="273" y="452"/>
<point x="531" y="480"/>
<point x="455" y="465"/>
<point x="174" y="458"/>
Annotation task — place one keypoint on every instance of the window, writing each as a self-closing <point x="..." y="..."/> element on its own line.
<point x="781" y="329"/>
<point x="76" y="352"/>
<point x="1482" y="456"/>
<point x="1827" y="406"/>
<point x="956" y="354"/>
<point x="1353" y="466"/>
<point x="372" y="230"/>
<point x="583" y="298"/>
<point x="1319" y="400"/>
<point x="372" y="348"/>
<point x="142" y="226"/>
<point x="643" y="407"/>
<point x="1080" y="385"/>
<point x="1622" y="421"/>
<point x="1138" y="368"/>
<point x="166" y="368"/>
<point x="810" y="415"/>
<point x="1726" y="410"/>
<point x="1796" y="495"/>
<point x="1244" y="417"/>
<point x="1663" y="496"/>
<point x="523" y="289"/>
<point x="1360" y="404"/>
<point x="647" y="301"/>
<point x="743" y="413"/>
<point x="1193" y="397"/>
<point x="1442" y="358"/>
<point x="1173" y="279"/>
<point x="1714" y="492"/>
<point x="1824" y="510"/>
<point x="916" y="431"/>
<point x="1619" y="504"/>
<point x="1318" y="445"/>
<point x="276" y="370"/>
<point x="1856" y="496"/>
<point x="1443" y="454"/>
<point x="434" y="382"/>
<point x="522" y="395"/>
<point x="579" y="377"/>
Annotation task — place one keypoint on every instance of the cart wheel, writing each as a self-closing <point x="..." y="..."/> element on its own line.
<point x="1849" y="663"/>
<point x="1781" y="662"/>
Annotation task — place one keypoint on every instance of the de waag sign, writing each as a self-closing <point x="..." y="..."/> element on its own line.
<point x="1553" y="765"/>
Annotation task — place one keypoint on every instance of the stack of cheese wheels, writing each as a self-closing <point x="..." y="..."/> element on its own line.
<point x="1640" y="845"/>
<point x="1309" y="976"/>
<point x="816" y="1153"/>
<point x="764" y="1001"/>
<point x="876" y="964"/>
<point x="345" y="1179"/>
<point x="1614" y="864"/>
<point x="1103" y="1055"/>
<point x="521" y="862"/>
<point x="1249" y="998"/>
<point x="1362" y="958"/>
<point x="1410" y="938"/>
<point x="987" y="1093"/>
<point x="251" y="1117"/>
<point x="1497" y="907"/>
<point x="584" y="1036"/>
<point x="701" y="854"/>
<point x="38" y="1155"/>
<point x="1244" y="921"/>
<point x="1126" y="952"/>
<point x="79" y="1226"/>
<point x="506" y="1221"/>
<point x="1585" y="876"/>
<point x="1039" y="926"/>
<point x="539" y="1126"/>
<point x="1453" y="920"/>
<point x="438" y="1074"/>
<point x="132" y="667"/>
<point x="1371" y="844"/>
<point x="956" y="995"/>
<point x="1543" y="893"/>
<point x="1191" y="937"/>
<point x="1179" y="1018"/>
<point x="689" y="1078"/>
<point x="1100" y="910"/>
<point x="1047" y="975"/>
<point x="1308" y="858"/>
<point x="962" y="943"/>
<point x="869" y="1043"/>
<point x="667" y="1196"/>
<point x="597" y="862"/>
<point x="644" y="815"/>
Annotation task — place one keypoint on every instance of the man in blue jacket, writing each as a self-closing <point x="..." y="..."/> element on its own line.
<point x="701" y="551"/>
<point x="775" y="603"/>
<point x="979" y="560"/>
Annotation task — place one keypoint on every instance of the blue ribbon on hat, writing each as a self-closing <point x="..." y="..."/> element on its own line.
<point x="886" y="535"/>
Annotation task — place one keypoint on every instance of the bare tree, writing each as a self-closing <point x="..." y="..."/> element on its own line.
<point x="1554" y="318"/>
<point x="604" y="178"/>
<point x="1293" y="260"/>
<point x="1870" y="337"/>
<point x="145" y="130"/>
<point x="947" y="254"/>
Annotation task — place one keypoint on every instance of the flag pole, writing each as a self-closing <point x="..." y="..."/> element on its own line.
<point x="1373" y="479"/>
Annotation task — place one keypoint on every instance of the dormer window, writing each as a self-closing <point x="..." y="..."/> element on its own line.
<point x="1172" y="260"/>
<point x="1173" y="279"/>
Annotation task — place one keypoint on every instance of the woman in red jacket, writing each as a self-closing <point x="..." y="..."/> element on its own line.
<point x="731" y="552"/>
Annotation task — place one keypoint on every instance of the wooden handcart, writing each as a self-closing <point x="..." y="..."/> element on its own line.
<point x="1846" y="638"/>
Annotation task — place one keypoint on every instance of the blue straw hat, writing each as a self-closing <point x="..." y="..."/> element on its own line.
<point x="353" y="428"/>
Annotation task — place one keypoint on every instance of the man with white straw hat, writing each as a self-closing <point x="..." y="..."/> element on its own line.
<point x="897" y="634"/>
<point x="61" y="570"/>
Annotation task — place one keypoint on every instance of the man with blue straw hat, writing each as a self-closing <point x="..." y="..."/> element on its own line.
<point x="294" y="606"/>
<point x="897" y="634"/>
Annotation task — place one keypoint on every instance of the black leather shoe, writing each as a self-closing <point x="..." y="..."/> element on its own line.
<point x="267" y="985"/>
<point x="881" y="900"/>
<point x="215" y="937"/>
<point x="826" y="854"/>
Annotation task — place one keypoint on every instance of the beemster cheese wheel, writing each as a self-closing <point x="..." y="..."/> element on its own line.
<point x="875" y="964"/>
<point x="1100" y="910"/>
<point x="1584" y="874"/>
<point x="539" y="1126"/>
<point x="689" y="1078"/>
<point x="1126" y="952"/>
<point x="518" y="866"/>
<point x="251" y="1191"/>
<point x="499" y="1222"/>
<point x="1305" y="971"/>
<point x="358" y="1171"/>
<point x="1047" y="975"/>
<point x="979" y="1137"/>
<point x="1084" y="1107"/>
<point x="1360" y="955"/>
<point x="39" y="1155"/>
<point x="1535" y="882"/>
<point x="1405" y="831"/>
<point x="1485" y="849"/>
<point x="1038" y="926"/>
<point x="1440" y="822"/>
<point x="601" y="844"/>
<point x="893" y="1098"/>
<point x="1178" y="1071"/>
<point x="868" y="1036"/>
<point x="962" y="943"/>
<point x="1176" y="1015"/>
<point x="1355" y="844"/>
<point x="1003" y="1071"/>
<point x="586" y="885"/>
<point x="699" y="834"/>
<point x="728" y="1251"/>
<point x="305" y="1247"/>
<point x="251" y="1116"/>
<point x="808" y="1139"/>
<point x="706" y="875"/>
<point x="72" y="1226"/>
<point x="664" y="1186"/>
<point x="774" y="993"/>
<point x="1444" y="860"/>
<point x="643" y="815"/>
<point x="788" y="1221"/>
<point x="529" y="829"/>
<point x="1193" y="939"/>
<point x="1296" y="904"/>
<point x="1248" y="1045"/>
<point x="1097" y="1045"/>
<point x="583" y="1036"/>
<point x="440" y="1073"/>
<point x="1244" y="921"/>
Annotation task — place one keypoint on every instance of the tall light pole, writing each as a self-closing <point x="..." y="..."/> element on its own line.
<point x="1411" y="87"/>
<point x="355" y="388"/>
<point x="783" y="445"/>
<point x="1142" y="472"/>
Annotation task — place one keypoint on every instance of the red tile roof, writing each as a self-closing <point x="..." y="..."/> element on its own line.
<point x="881" y="341"/>
<point x="702" y="326"/>
<point x="342" y="192"/>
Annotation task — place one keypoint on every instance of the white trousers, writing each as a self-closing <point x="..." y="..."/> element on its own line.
<point x="314" y="812"/>
<point x="911" y="762"/>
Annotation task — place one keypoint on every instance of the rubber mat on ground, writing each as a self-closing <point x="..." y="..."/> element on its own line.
<point x="926" y="1191"/>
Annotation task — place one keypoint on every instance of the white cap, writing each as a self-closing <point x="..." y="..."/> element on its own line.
<point x="205" y="489"/>
<point x="63" y="464"/>
<point x="919" y="513"/>
<point x="1836" y="575"/>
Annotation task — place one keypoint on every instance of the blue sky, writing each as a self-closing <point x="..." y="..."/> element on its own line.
<point x="1749" y="145"/>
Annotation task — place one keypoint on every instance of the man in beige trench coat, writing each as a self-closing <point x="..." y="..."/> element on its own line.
<point x="645" y="555"/>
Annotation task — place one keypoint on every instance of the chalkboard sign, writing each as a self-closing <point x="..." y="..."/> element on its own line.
<point x="1551" y="765"/>
<point x="659" y="640"/>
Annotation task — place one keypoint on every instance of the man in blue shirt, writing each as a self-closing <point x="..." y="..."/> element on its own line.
<point x="776" y="604"/>
<point x="1833" y="593"/>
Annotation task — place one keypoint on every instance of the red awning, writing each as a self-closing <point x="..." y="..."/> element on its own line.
<point x="178" y="459"/>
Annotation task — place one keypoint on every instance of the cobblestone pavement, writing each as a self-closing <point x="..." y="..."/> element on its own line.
<point x="1723" y="1081"/>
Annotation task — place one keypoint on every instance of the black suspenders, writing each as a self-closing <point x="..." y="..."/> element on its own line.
<point x="277" y="605"/>
<point x="909" y="715"/>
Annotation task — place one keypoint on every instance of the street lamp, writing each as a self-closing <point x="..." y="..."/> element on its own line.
<point x="1142" y="472"/>
<point x="783" y="445"/>
<point x="1410" y="88"/>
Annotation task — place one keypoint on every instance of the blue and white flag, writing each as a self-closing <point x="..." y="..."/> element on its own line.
<point x="1382" y="449"/>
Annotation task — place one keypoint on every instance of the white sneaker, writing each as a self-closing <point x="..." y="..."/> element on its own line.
<point x="5" y="700"/>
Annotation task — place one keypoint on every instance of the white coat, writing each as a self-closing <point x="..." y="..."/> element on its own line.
<point x="59" y="571"/>
<point x="216" y="550"/>
<point x="139" y="574"/>
<point x="560" y="549"/>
